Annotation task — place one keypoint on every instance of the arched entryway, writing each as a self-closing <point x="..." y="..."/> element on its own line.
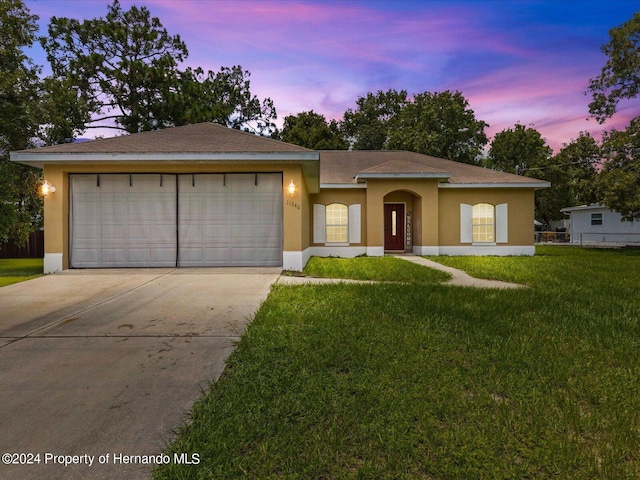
<point x="401" y="211"/>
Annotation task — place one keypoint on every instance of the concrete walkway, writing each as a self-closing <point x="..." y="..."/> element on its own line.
<point x="458" y="277"/>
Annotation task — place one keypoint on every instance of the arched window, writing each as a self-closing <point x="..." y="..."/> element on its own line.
<point x="337" y="223"/>
<point x="484" y="223"/>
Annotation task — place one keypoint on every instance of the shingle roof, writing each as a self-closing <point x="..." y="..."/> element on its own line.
<point x="336" y="166"/>
<point x="402" y="166"/>
<point x="196" y="138"/>
<point x="342" y="167"/>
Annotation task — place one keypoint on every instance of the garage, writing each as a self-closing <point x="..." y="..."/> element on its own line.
<point x="175" y="220"/>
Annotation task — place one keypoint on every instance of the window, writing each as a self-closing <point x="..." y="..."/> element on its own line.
<point x="483" y="223"/>
<point x="337" y="223"/>
<point x="596" y="219"/>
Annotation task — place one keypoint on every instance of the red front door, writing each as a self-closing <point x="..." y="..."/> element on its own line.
<point x="394" y="226"/>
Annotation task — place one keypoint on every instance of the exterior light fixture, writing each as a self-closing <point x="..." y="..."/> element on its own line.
<point x="291" y="188"/>
<point x="47" y="188"/>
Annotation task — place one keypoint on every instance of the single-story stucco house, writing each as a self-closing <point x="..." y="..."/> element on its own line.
<point x="207" y="195"/>
<point x="597" y="224"/>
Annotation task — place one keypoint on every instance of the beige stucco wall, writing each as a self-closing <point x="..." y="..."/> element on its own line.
<point x="296" y="209"/>
<point x="436" y="211"/>
<point x="346" y="196"/>
<point x="521" y="211"/>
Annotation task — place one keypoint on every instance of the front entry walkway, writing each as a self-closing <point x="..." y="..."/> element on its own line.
<point x="458" y="277"/>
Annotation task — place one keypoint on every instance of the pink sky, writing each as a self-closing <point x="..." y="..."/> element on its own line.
<point x="515" y="61"/>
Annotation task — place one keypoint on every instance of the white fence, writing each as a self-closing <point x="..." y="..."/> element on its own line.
<point x="600" y="239"/>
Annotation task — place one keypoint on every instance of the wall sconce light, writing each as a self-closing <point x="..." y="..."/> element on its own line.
<point x="47" y="188"/>
<point x="291" y="188"/>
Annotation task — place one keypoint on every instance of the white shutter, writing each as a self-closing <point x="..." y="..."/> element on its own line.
<point x="354" y="223"/>
<point x="466" y="223"/>
<point x="319" y="222"/>
<point x="502" y="223"/>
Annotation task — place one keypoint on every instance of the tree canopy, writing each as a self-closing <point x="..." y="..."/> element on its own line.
<point x="441" y="125"/>
<point x="620" y="76"/>
<point x="618" y="183"/>
<point x="522" y="150"/>
<point x="120" y="64"/>
<point x="222" y="97"/>
<point x="311" y="130"/>
<point x="125" y="67"/>
<point x="580" y="160"/>
<point x="20" y="205"/>
<point x="515" y="150"/>
<point x="368" y="126"/>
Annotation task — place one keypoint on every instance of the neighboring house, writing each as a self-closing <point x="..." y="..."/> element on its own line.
<point x="597" y="224"/>
<point x="206" y="195"/>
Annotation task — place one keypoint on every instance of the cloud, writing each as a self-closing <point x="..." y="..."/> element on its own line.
<point x="526" y="62"/>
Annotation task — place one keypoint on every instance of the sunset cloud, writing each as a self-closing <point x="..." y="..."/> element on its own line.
<point x="526" y="61"/>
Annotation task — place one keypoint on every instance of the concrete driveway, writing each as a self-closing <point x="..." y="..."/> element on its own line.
<point x="101" y="365"/>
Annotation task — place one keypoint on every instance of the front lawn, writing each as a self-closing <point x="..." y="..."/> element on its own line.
<point x="404" y="381"/>
<point x="381" y="269"/>
<point x="14" y="270"/>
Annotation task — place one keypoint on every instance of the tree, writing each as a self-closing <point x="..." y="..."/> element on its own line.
<point x="618" y="183"/>
<point x="580" y="160"/>
<point x="20" y="205"/>
<point x="441" y="125"/>
<point x="522" y="150"/>
<point x="125" y="68"/>
<point x="620" y="76"/>
<point x="311" y="130"/>
<point x="223" y="97"/>
<point x="120" y="64"/>
<point x="368" y="126"/>
<point x="517" y="149"/>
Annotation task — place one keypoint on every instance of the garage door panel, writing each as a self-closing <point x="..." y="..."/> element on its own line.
<point x="264" y="256"/>
<point x="243" y="255"/>
<point x="115" y="256"/>
<point x="229" y="208"/>
<point x="122" y="220"/>
<point x="86" y="255"/>
<point x="113" y="232"/>
<point x="88" y="233"/>
<point x="142" y="255"/>
<point x="218" y="234"/>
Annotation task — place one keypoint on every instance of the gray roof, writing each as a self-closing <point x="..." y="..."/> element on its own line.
<point x="196" y="138"/>
<point x="341" y="166"/>
<point x="212" y="142"/>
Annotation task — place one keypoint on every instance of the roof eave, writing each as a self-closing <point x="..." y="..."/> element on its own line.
<point x="34" y="158"/>
<point x="584" y="207"/>
<point x="534" y="185"/>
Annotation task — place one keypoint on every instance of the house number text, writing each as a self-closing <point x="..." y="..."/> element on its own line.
<point x="293" y="204"/>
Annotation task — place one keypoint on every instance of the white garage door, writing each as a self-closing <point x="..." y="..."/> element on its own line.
<point x="154" y="220"/>
<point x="230" y="219"/>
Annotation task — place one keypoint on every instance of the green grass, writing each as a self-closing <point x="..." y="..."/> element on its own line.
<point x="394" y="381"/>
<point x="14" y="270"/>
<point x="382" y="269"/>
